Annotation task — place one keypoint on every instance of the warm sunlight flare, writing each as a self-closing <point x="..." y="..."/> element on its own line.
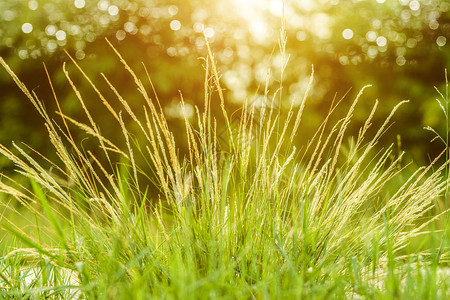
<point x="253" y="13"/>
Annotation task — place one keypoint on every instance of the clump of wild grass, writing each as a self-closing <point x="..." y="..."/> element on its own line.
<point x="252" y="220"/>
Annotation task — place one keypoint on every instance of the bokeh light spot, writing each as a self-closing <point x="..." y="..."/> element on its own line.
<point x="301" y="35"/>
<point x="50" y="29"/>
<point x="444" y="7"/>
<point x="228" y="52"/>
<point x="441" y="41"/>
<point x="173" y="10"/>
<point x="174" y="110"/>
<point x="400" y="51"/>
<point x="33" y="5"/>
<point x="27" y="27"/>
<point x="90" y="37"/>
<point x="79" y="45"/>
<point x="175" y="25"/>
<point x="80" y="54"/>
<point x="347" y="34"/>
<point x="209" y="32"/>
<point x="104" y="20"/>
<point x="51" y="45"/>
<point x="199" y="27"/>
<point x="372" y="51"/>
<point x="371" y="36"/>
<point x="400" y="60"/>
<point x="434" y="24"/>
<point x="411" y="43"/>
<point x="120" y="35"/>
<point x="79" y="3"/>
<point x="130" y="27"/>
<point x="381" y="41"/>
<point x="103" y="5"/>
<point x="75" y="30"/>
<point x="200" y="42"/>
<point x="343" y="60"/>
<point x="171" y="51"/>
<point x="113" y="10"/>
<point x="393" y="36"/>
<point x="405" y="15"/>
<point x="60" y="35"/>
<point x="414" y="5"/>
<point x="9" y="15"/>
<point x="23" y="54"/>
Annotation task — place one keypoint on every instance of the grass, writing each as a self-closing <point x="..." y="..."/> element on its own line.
<point x="248" y="220"/>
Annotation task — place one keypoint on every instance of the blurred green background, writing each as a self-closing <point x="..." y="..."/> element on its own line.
<point x="399" y="46"/>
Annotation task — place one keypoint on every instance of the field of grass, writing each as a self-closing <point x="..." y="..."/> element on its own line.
<point x="251" y="218"/>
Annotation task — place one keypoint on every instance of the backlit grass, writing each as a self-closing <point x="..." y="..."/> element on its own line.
<point x="242" y="215"/>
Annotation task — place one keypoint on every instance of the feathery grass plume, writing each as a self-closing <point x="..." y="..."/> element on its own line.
<point x="262" y="220"/>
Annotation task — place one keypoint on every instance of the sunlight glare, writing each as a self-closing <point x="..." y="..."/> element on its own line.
<point x="255" y="13"/>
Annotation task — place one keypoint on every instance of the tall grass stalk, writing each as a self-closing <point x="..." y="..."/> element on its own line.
<point x="259" y="221"/>
<point x="444" y="104"/>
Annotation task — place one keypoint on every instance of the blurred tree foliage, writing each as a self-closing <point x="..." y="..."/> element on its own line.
<point x="399" y="46"/>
